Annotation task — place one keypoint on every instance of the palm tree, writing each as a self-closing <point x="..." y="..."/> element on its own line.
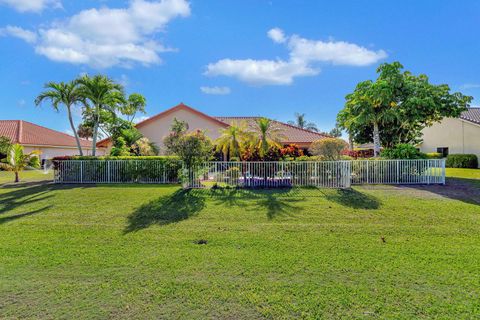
<point x="101" y="94"/>
<point x="67" y="94"/>
<point x="135" y="103"/>
<point x="231" y="140"/>
<point x="267" y="135"/>
<point x="301" y="123"/>
<point x="17" y="160"/>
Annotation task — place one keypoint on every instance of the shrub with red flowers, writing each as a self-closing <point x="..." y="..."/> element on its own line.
<point x="291" y="151"/>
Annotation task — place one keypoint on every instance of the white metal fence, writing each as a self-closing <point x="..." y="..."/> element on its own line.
<point x="274" y="174"/>
<point x="116" y="171"/>
<point x="422" y="171"/>
<point x="269" y="174"/>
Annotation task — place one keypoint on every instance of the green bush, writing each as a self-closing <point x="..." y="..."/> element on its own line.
<point x="434" y="155"/>
<point x="462" y="161"/>
<point x="402" y="151"/>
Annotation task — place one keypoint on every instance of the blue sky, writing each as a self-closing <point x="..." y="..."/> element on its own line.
<point x="249" y="57"/>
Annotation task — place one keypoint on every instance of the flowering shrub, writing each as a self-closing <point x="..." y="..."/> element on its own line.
<point x="292" y="150"/>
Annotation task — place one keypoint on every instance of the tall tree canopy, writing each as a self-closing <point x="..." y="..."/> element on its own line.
<point x="67" y="94"/>
<point x="102" y="95"/>
<point x="397" y="106"/>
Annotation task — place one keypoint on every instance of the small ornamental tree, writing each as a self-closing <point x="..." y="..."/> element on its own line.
<point x="192" y="148"/>
<point x="17" y="160"/>
<point x="328" y="148"/>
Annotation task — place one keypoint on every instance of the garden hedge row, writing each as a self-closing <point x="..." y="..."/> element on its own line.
<point x="165" y="158"/>
<point x="462" y="161"/>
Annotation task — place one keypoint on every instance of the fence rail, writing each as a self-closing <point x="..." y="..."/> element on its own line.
<point x="270" y="174"/>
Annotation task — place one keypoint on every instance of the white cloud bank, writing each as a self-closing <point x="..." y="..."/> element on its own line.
<point x="106" y="37"/>
<point x="32" y="5"/>
<point x="216" y="90"/>
<point x="25" y="35"/>
<point x="303" y="54"/>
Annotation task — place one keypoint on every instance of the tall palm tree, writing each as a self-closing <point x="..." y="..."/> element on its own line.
<point x="231" y="140"/>
<point x="135" y="103"/>
<point x="17" y="160"/>
<point x="67" y="94"/>
<point x="101" y="94"/>
<point x="267" y="135"/>
<point x="301" y="123"/>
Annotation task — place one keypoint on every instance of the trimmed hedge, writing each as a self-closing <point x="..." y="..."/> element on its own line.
<point x="165" y="158"/>
<point x="462" y="161"/>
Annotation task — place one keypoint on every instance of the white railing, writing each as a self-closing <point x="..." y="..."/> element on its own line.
<point x="431" y="171"/>
<point x="274" y="174"/>
<point x="270" y="174"/>
<point x="116" y="171"/>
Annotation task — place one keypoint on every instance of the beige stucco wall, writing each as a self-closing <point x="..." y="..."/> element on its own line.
<point x="159" y="128"/>
<point x="49" y="152"/>
<point x="457" y="135"/>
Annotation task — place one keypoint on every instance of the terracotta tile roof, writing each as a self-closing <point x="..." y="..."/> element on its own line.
<point x="471" y="115"/>
<point x="27" y="133"/>
<point x="292" y="134"/>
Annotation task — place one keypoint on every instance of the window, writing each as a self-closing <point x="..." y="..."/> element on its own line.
<point x="443" y="151"/>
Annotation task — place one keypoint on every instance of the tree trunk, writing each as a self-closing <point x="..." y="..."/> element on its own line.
<point x="75" y="134"/>
<point x="17" y="179"/>
<point x="95" y="133"/>
<point x="376" y="140"/>
<point x="350" y="141"/>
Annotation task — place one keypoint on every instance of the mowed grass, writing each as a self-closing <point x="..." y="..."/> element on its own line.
<point x="133" y="252"/>
<point x="25" y="176"/>
<point x="463" y="173"/>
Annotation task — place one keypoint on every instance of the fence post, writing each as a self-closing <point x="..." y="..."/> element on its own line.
<point x="81" y="171"/>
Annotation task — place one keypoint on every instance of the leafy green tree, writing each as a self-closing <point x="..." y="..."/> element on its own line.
<point x="396" y="107"/>
<point x="17" y="160"/>
<point x="135" y="103"/>
<point x="266" y="135"/>
<point x="67" y="94"/>
<point x="301" y="123"/>
<point x="101" y="94"/>
<point x="193" y="148"/>
<point x="232" y="140"/>
<point x="328" y="148"/>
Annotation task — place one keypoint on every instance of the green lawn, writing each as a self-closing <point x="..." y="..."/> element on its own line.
<point x="132" y="252"/>
<point x="463" y="173"/>
<point x="28" y="175"/>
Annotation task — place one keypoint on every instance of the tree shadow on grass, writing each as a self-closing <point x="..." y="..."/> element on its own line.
<point x="353" y="199"/>
<point x="180" y="205"/>
<point x="24" y="196"/>
<point x="462" y="189"/>
<point x="276" y="201"/>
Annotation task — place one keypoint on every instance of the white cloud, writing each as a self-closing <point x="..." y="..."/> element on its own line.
<point x="216" y="90"/>
<point x="107" y="37"/>
<point x="277" y="35"/>
<point x="336" y="52"/>
<point x="25" y="35"/>
<point x="260" y="72"/>
<point x="303" y="53"/>
<point x="32" y="5"/>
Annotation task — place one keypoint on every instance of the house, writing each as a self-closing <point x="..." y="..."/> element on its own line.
<point x="157" y="127"/>
<point x="50" y="142"/>
<point x="454" y="135"/>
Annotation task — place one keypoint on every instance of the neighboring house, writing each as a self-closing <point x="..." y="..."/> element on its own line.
<point x="50" y="142"/>
<point x="454" y="135"/>
<point x="157" y="127"/>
